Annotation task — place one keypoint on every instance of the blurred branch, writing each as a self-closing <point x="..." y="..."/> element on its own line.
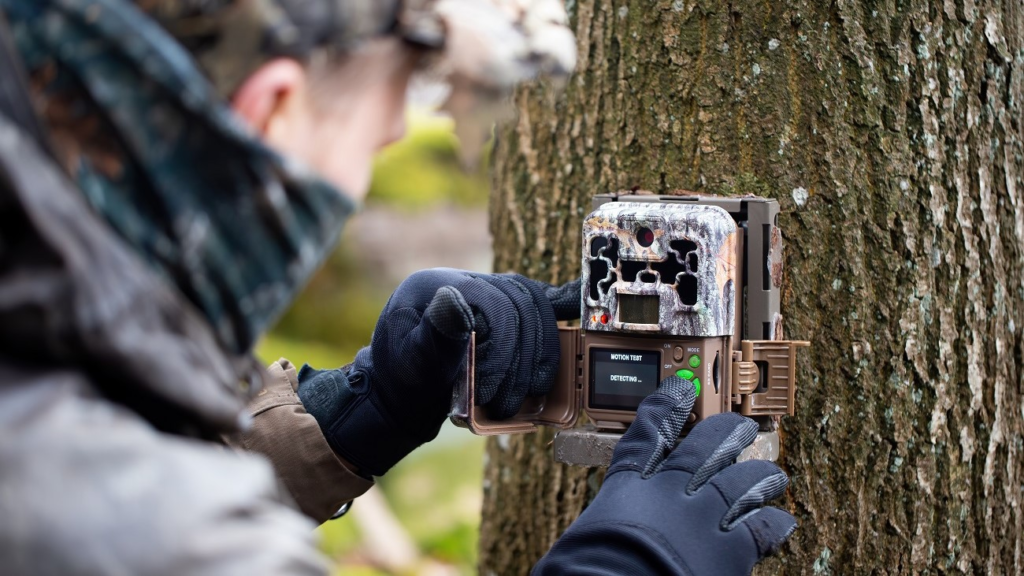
<point x="387" y="543"/>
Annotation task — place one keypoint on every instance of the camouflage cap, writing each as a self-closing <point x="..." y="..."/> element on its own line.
<point x="491" y="44"/>
<point x="232" y="38"/>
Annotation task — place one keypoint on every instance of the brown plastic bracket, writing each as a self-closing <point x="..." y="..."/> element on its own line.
<point x="745" y="377"/>
<point x="560" y="408"/>
<point x="777" y="384"/>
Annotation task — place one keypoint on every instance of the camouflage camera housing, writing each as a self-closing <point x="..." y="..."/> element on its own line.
<point x="681" y="284"/>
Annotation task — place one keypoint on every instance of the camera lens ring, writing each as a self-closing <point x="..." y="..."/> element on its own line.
<point x="645" y="236"/>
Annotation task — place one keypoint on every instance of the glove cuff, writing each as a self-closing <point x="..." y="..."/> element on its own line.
<point x="355" y="427"/>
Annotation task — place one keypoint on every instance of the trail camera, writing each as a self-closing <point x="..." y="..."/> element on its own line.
<point x="685" y="285"/>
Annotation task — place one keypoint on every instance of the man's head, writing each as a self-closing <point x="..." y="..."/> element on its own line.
<point x="324" y="81"/>
<point x="333" y="113"/>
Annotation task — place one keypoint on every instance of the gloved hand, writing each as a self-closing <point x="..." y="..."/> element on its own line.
<point x="397" y="393"/>
<point x="688" y="511"/>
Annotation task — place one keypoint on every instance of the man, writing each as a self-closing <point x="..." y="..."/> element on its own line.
<point x="159" y="206"/>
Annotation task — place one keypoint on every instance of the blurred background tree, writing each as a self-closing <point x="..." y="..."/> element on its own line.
<point x="423" y="210"/>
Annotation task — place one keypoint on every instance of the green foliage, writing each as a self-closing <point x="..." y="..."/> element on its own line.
<point x="339" y="538"/>
<point x="314" y="353"/>
<point x="338" y="309"/>
<point x="423" y="169"/>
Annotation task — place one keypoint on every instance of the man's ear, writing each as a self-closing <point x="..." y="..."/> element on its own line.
<point x="267" y="99"/>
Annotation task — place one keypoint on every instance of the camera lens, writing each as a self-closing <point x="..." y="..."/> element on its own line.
<point x="645" y="237"/>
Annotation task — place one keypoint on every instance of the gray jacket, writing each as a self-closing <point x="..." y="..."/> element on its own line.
<point x="112" y="403"/>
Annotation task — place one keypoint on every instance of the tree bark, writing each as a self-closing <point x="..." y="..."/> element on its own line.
<point x="890" y="132"/>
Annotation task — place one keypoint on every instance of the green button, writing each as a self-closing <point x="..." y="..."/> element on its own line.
<point x="696" y="386"/>
<point x="685" y="374"/>
<point x="694" y="361"/>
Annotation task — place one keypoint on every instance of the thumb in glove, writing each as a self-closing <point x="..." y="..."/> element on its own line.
<point x="422" y="353"/>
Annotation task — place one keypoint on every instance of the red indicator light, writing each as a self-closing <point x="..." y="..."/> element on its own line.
<point x="604" y="318"/>
<point x="645" y="237"/>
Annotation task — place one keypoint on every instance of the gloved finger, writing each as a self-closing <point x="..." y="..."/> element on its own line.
<point x="523" y="341"/>
<point x="419" y="349"/>
<point x="403" y="338"/>
<point x="450" y="314"/>
<point x="507" y="400"/>
<point x="409" y="345"/>
<point x="654" y="431"/>
<point x="435" y="347"/>
<point x="418" y="290"/>
<point x="746" y="486"/>
<point x="712" y="445"/>
<point x="566" y="300"/>
<point x="547" y="350"/>
<point x="495" y="315"/>
<point x="770" y="527"/>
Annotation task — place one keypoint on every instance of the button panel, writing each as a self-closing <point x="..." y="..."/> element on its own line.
<point x="689" y="359"/>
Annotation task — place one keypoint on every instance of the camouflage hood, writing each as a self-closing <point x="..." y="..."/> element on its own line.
<point x="235" y="227"/>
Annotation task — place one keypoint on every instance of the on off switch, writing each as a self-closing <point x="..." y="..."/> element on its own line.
<point x="677" y="354"/>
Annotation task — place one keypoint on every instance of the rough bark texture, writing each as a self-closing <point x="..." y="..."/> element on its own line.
<point x="891" y="134"/>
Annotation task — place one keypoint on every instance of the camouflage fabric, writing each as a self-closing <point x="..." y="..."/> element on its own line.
<point x="231" y="38"/>
<point x="158" y="154"/>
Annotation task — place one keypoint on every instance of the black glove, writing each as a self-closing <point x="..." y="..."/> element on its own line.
<point x="398" y="391"/>
<point x="690" y="510"/>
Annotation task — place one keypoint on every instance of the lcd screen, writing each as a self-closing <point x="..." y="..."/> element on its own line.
<point x="620" y="379"/>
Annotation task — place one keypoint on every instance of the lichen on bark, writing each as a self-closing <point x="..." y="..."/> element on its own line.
<point x="890" y="132"/>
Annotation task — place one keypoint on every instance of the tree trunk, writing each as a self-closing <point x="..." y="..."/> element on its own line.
<point x="890" y="132"/>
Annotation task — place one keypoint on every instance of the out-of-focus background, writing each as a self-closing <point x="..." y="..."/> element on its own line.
<point x="423" y="211"/>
